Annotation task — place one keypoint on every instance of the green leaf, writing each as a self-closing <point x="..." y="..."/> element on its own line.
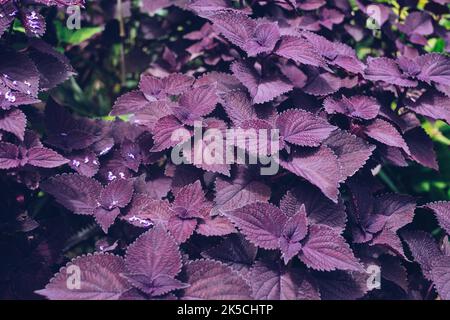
<point x="75" y="37"/>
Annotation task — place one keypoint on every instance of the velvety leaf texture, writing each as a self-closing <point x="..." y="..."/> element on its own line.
<point x="320" y="167"/>
<point x="261" y="223"/>
<point x="224" y="150"/>
<point x="302" y="128"/>
<point x="326" y="250"/>
<point x="99" y="275"/>
<point x="212" y="280"/>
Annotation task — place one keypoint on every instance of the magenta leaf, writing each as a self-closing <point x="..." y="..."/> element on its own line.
<point x="117" y="194"/>
<point x="261" y="89"/>
<point x="294" y="231"/>
<point x="195" y="103"/>
<point x="299" y="50"/>
<point x="75" y="192"/>
<point x="263" y="40"/>
<point x="432" y="104"/>
<point x="386" y="133"/>
<point x="99" y="279"/>
<point x="440" y="274"/>
<point x="181" y="229"/>
<point x="9" y="156"/>
<point x="211" y="280"/>
<point x="434" y="67"/>
<point x="421" y="147"/>
<point x="274" y="282"/>
<point x="303" y="128"/>
<point x="320" y="167"/>
<point x="424" y="250"/>
<point x="352" y="152"/>
<point x="356" y="106"/>
<point x="386" y="70"/>
<point x="320" y="209"/>
<point x="106" y="217"/>
<point x="166" y="136"/>
<point x="154" y="254"/>
<point x="45" y="158"/>
<point x="189" y="201"/>
<point x="261" y="223"/>
<point x="441" y="210"/>
<point x="13" y="121"/>
<point x="326" y="250"/>
<point x="243" y="189"/>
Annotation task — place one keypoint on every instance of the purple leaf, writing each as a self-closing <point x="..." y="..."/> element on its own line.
<point x="75" y="192"/>
<point x="45" y="158"/>
<point x="440" y="274"/>
<point x="189" y="201"/>
<point x="210" y="226"/>
<point x="417" y="23"/>
<point x="144" y="212"/>
<point x="386" y="70"/>
<point x="326" y="250"/>
<point x="157" y="286"/>
<point x="154" y="253"/>
<point x="117" y="194"/>
<point x="195" y="104"/>
<point x="424" y="250"/>
<point x="261" y="89"/>
<point x="442" y="211"/>
<point x="9" y="156"/>
<point x="261" y="223"/>
<point x="432" y="104"/>
<point x="54" y="67"/>
<point x="130" y="102"/>
<point x="339" y="285"/>
<point x="85" y="163"/>
<point x="99" y="279"/>
<point x="181" y="229"/>
<point x="356" y="106"/>
<point x="21" y="76"/>
<point x="14" y="121"/>
<point x="395" y="210"/>
<point x="263" y="40"/>
<point x="322" y="83"/>
<point x="105" y="217"/>
<point x="434" y="67"/>
<point x="234" y="251"/>
<point x="235" y="27"/>
<point x="166" y="136"/>
<point x="299" y="50"/>
<point x="211" y="280"/>
<point x="242" y="190"/>
<point x="320" y="167"/>
<point x="294" y="231"/>
<point x="274" y="282"/>
<point x="8" y="12"/>
<point x="386" y="133"/>
<point x="421" y="147"/>
<point x="320" y="209"/>
<point x="352" y="152"/>
<point x="303" y="128"/>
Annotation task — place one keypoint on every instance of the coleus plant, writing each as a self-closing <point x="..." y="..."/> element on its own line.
<point x="202" y="231"/>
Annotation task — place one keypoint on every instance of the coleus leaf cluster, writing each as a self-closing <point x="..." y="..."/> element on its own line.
<point x="202" y="231"/>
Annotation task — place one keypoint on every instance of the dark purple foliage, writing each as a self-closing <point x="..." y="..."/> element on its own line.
<point x="224" y="231"/>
